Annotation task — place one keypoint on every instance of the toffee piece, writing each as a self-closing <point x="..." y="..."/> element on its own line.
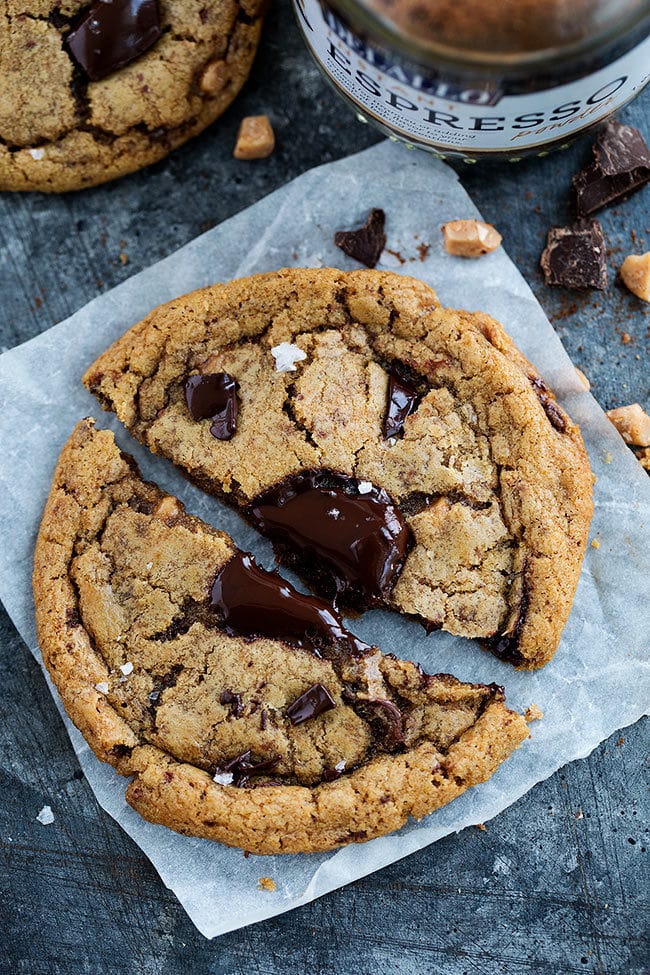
<point x="485" y="469"/>
<point x="293" y="760"/>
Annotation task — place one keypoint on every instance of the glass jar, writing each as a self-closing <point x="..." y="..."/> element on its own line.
<point x="481" y="78"/>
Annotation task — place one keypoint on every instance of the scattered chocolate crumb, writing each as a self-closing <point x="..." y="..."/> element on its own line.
<point x="423" y="250"/>
<point x="574" y="257"/>
<point x="533" y="713"/>
<point x="397" y="255"/>
<point x="366" y="243"/>
<point x="266" y="883"/>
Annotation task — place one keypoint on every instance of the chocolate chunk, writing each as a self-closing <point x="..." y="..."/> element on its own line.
<point x="254" y="602"/>
<point x="621" y="166"/>
<point x="234" y="700"/>
<point x="557" y="418"/>
<point x="112" y="33"/>
<point x="214" y="396"/>
<point x="386" y="719"/>
<point x="316" y="700"/>
<point x="403" y="399"/>
<point x="361" y="540"/>
<point x="574" y="256"/>
<point x="243" y="767"/>
<point x="366" y="243"/>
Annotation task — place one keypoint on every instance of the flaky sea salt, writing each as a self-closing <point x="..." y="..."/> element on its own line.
<point x="364" y="487"/>
<point x="102" y="687"/>
<point x="127" y="668"/>
<point x="340" y="766"/>
<point x="286" y="356"/>
<point x="149" y="565"/>
<point x="223" y="778"/>
<point x="37" y="153"/>
<point x="46" y="816"/>
<point x="333" y="513"/>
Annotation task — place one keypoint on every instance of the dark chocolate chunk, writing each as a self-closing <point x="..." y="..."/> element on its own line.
<point x="403" y="399"/>
<point x="254" y="602"/>
<point x="234" y="700"/>
<point x="112" y="33"/>
<point x="557" y="418"/>
<point x="621" y="166"/>
<point x="361" y="540"/>
<point x="574" y="256"/>
<point x="243" y="767"/>
<point x="214" y="396"/>
<point x="385" y="718"/>
<point x="316" y="700"/>
<point x="366" y="243"/>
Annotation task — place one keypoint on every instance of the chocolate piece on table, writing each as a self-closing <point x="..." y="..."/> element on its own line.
<point x="361" y="540"/>
<point x="112" y="33"/>
<point x="366" y="243"/>
<point x="316" y="700"/>
<point x="621" y="166"/>
<point x="213" y="396"/>
<point x="574" y="257"/>
<point x="253" y="602"/>
<point x="403" y="399"/>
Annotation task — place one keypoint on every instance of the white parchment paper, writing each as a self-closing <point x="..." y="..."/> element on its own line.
<point x="598" y="681"/>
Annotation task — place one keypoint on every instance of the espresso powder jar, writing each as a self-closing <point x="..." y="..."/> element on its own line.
<point x="476" y="79"/>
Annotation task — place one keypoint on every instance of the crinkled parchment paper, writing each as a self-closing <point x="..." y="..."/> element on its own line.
<point x="598" y="681"/>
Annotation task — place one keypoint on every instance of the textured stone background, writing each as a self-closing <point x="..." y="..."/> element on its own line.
<point x="556" y="883"/>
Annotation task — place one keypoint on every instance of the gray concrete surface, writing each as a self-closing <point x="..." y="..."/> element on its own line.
<point x="556" y="884"/>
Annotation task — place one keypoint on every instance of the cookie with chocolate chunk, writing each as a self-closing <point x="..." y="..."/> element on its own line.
<point x="396" y="452"/>
<point x="243" y="710"/>
<point x="94" y="90"/>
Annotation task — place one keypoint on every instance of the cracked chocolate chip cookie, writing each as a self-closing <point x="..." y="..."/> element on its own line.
<point x="243" y="710"/>
<point x="93" y="90"/>
<point x="396" y="452"/>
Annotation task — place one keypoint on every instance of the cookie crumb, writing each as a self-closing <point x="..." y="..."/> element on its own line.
<point x="621" y="741"/>
<point x="595" y="543"/>
<point x="470" y="238"/>
<point x="266" y="883"/>
<point x="626" y="338"/>
<point x="286" y="356"/>
<point x="533" y="713"/>
<point x="124" y="257"/>
<point x="633" y="424"/>
<point x="635" y="275"/>
<point x="255" y="139"/>
<point x="102" y="687"/>
<point x="46" y="816"/>
<point x="608" y="458"/>
<point x="480" y="826"/>
<point x="583" y="379"/>
<point x="37" y="153"/>
<point x="127" y="668"/>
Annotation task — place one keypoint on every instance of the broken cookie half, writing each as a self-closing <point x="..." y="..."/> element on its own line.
<point x="396" y="452"/>
<point x="244" y="711"/>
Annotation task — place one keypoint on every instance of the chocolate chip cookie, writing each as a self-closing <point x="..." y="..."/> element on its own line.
<point x="243" y="710"/>
<point x="94" y="90"/>
<point x="397" y="453"/>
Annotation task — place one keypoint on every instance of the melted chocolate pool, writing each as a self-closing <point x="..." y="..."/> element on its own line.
<point x="360" y="540"/>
